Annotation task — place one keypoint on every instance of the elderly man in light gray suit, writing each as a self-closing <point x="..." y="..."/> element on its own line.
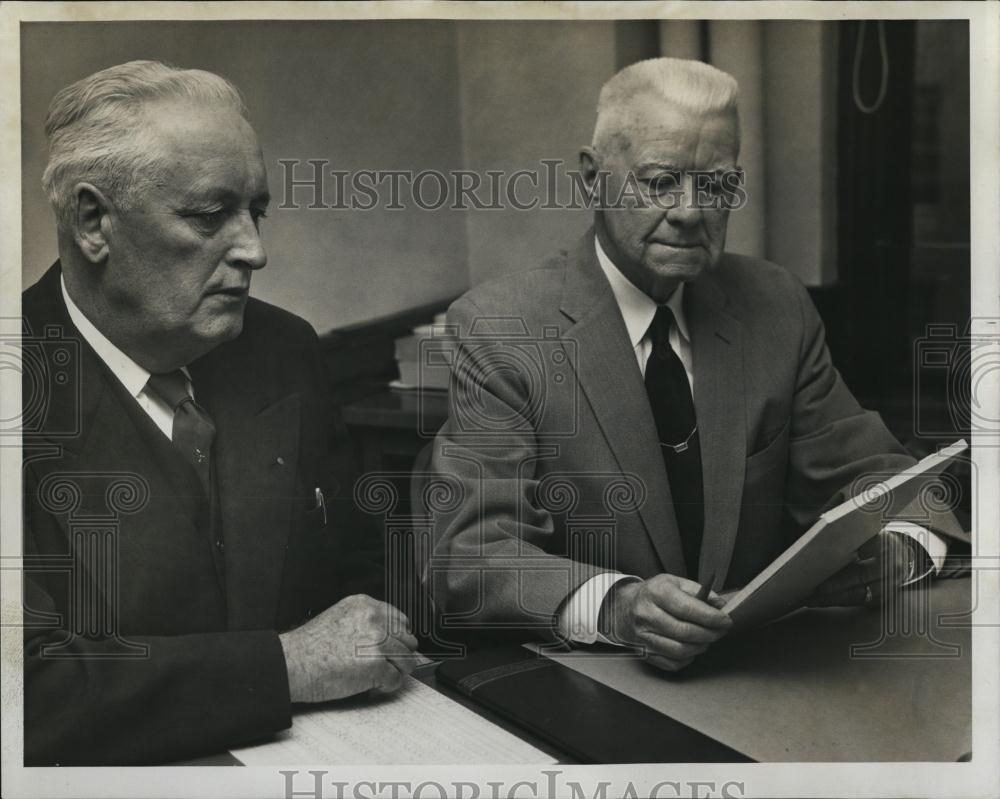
<point x="646" y="366"/>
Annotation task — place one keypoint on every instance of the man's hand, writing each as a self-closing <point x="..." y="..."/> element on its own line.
<point x="882" y="565"/>
<point x="356" y="645"/>
<point x="664" y="615"/>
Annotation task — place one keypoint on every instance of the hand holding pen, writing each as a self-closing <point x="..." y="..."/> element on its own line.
<point x="672" y="618"/>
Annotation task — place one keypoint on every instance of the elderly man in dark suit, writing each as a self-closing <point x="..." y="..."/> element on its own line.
<point x="643" y="412"/>
<point x="194" y="562"/>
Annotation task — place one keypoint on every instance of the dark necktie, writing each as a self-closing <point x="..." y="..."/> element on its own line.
<point x="193" y="431"/>
<point x="673" y="411"/>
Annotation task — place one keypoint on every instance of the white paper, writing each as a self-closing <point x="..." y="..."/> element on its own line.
<point x="415" y="725"/>
<point x="831" y="542"/>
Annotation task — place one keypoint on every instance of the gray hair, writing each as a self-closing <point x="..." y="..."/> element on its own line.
<point x="692" y="85"/>
<point x="97" y="134"/>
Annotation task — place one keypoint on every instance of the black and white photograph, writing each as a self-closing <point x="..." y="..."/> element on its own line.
<point x="500" y="401"/>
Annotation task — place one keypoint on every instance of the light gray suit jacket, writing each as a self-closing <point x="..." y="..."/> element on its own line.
<point x="552" y="442"/>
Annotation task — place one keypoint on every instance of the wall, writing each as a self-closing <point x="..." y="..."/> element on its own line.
<point x="528" y="93"/>
<point x="738" y="48"/>
<point x="453" y="95"/>
<point x="362" y="95"/>
<point x="800" y="84"/>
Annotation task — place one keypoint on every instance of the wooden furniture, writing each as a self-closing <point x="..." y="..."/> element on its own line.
<point x="391" y="426"/>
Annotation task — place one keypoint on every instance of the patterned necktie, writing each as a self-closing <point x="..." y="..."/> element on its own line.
<point x="193" y="431"/>
<point x="673" y="411"/>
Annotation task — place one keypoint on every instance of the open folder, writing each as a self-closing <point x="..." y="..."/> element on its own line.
<point x="831" y="543"/>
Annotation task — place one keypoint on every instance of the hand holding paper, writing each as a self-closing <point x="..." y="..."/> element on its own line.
<point x="883" y="564"/>
<point x="665" y="616"/>
<point x="834" y="541"/>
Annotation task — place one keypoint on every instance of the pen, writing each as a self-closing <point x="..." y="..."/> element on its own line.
<point x="706" y="588"/>
<point x="321" y="502"/>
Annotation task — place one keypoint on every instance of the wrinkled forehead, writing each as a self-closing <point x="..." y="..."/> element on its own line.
<point x="188" y="128"/>
<point x="656" y="131"/>
<point x="200" y="144"/>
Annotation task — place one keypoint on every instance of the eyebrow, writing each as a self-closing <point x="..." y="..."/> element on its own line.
<point x="674" y="168"/>
<point x="658" y="165"/>
<point x="225" y="196"/>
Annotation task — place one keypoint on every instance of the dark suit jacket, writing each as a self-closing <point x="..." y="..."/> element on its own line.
<point x="551" y="437"/>
<point x="145" y="640"/>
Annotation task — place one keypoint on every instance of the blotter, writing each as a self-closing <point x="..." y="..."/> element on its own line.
<point x="588" y="720"/>
<point x="831" y="542"/>
<point x="416" y="725"/>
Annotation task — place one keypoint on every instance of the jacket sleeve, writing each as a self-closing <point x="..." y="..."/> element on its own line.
<point x="834" y="442"/>
<point x="145" y="700"/>
<point x="489" y="565"/>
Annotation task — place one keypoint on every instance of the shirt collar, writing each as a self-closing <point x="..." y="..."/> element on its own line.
<point x="638" y="309"/>
<point x="131" y="375"/>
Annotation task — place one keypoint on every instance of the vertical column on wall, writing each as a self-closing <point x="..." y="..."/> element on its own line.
<point x="681" y="38"/>
<point x="636" y="40"/>
<point x="738" y="48"/>
<point x="527" y="93"/>
<point x="800" y="143"/>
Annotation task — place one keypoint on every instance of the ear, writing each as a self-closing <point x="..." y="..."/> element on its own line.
<point x="589" y="165"/>
<point x="91" y="222"/>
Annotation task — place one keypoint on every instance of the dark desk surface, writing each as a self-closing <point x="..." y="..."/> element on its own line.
<point x="776" y="645"/>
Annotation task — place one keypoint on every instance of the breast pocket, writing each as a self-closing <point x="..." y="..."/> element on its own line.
<point x="311" y="557"/>
<point x="316" y="507"/>
<point x="758" y="540"/>
<point x="772" y="455"/>
<point x="316" y="515"/>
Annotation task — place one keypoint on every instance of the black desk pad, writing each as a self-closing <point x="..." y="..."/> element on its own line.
<point x="588" y="720"/>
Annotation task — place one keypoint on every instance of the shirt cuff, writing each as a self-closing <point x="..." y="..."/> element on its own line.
<point x="935" y="546"/>
<point x="580" y="612"/>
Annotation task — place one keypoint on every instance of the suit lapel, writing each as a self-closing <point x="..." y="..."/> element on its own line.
<point x="114" y="443"/>
<point x="256" y="453"/>
<point x="94" y="409"/>
<point x="253" y="430"/>
<point x="610" y="378"/>
<point x="95" y="434"/>
<point x="717" y="356"/>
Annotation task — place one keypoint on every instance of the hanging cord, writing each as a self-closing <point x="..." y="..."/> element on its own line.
<point x="856" y="73"/>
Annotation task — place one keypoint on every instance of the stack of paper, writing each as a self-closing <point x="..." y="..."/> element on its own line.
<point x="415" y="725"/>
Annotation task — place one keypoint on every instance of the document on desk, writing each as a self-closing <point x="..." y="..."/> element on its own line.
<point x="415" y="725"/>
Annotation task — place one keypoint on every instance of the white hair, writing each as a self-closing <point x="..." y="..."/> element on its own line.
<point x="97" y="133"/>
<point x="691" y="85"/>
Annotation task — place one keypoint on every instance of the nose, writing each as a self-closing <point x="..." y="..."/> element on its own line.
<point x="247" y="249"/>
<point x="685" y="212"/>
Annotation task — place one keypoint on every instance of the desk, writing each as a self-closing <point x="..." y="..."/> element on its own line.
<point x="888" y="684"/>
<point x="796" y="685"/>
<point x="427" y="675"/>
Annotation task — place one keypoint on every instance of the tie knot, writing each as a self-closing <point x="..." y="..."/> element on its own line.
<point x="659" y="328"/>
<point x="171" y="387"/>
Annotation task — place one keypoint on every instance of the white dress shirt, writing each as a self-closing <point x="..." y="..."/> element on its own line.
<point x="579" y="614"/>
<point x="128" y="372"/>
